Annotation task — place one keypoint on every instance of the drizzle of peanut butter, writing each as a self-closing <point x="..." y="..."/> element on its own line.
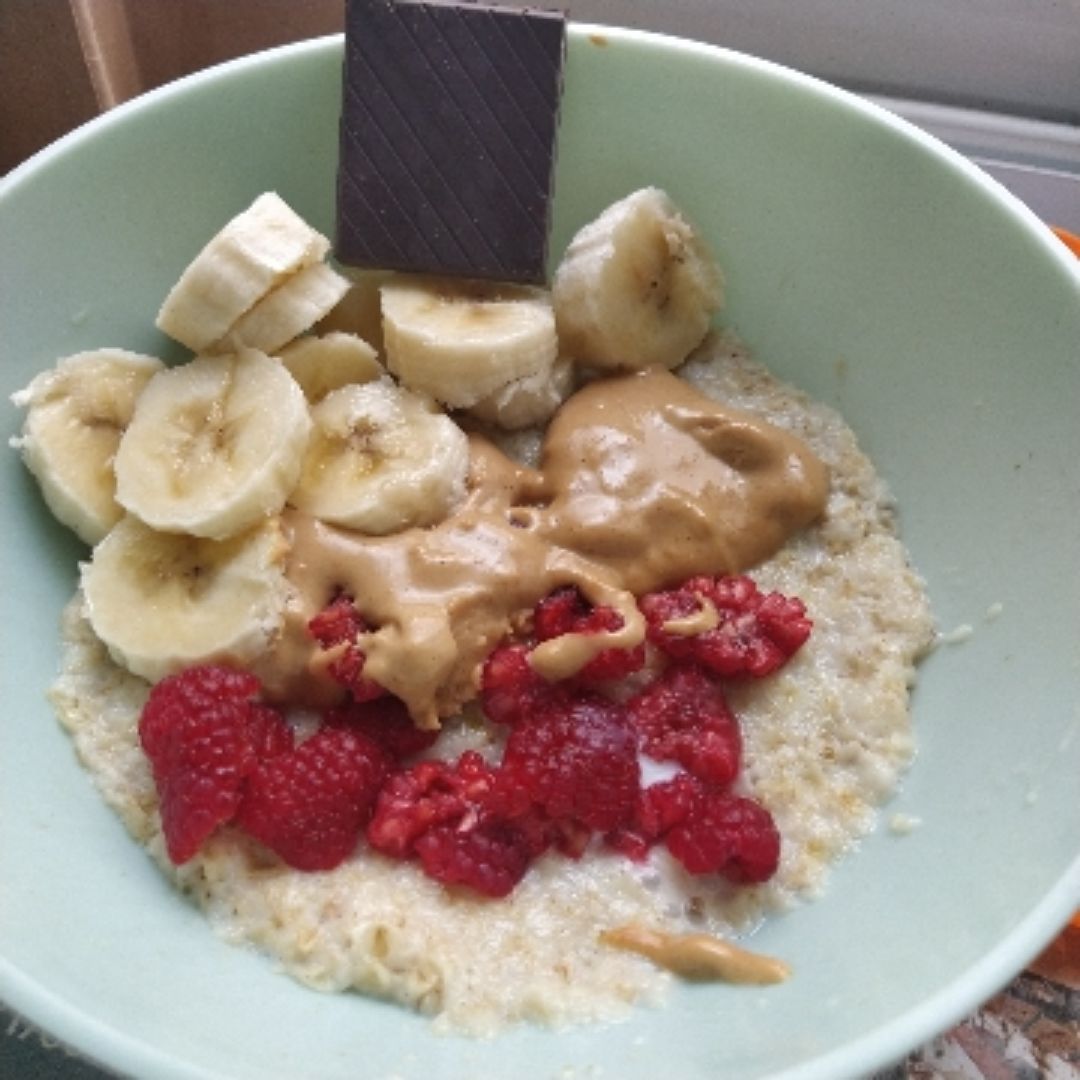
<point x="698" y="956"/>
<point x="643" y="482"/>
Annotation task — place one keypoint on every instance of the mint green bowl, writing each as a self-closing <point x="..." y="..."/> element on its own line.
<point x="869" y="265"/>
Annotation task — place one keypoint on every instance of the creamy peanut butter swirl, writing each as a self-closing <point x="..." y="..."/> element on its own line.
<point x="700" y="957"/>
<point x="643" y="482"/>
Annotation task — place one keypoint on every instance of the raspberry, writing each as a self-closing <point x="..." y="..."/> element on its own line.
<point x="510" y="690"/>
<point x="310" y="805"/>
<point x="491" y="858"/>
<point x="660" y="808"/>
<point x="682" y="716"/>
<point x="566" y="611"/>
<point x="757" y="632"/>
<point x="430" y="794"/>
<point x="204" y="733"/>
<point x="729" y="835"/>
<point x="339" y="623"/>
<point x="577" y="759"/>
<point x="385" y="721"/>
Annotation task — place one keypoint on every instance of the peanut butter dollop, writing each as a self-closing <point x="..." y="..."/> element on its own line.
<point x="643" y="482"/>
<point x="698" y="956"/>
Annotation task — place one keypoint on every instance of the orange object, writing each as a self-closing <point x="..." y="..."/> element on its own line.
<point x="1070" y="240"/>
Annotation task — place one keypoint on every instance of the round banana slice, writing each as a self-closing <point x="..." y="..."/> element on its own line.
<point x="329" y="362"/>
<point x="459" y="341"/>
<point x="381" y="459"/>
<point x="287" y="311"/>
<point x="528" y="401"/>
<point x="77" y="413"/>
<point x="637" y="287"/>
<point x="162" y="602"/>
<point x="257" y="250"/>
<point x="214" y="445"/>
<point x="360" y="310"/>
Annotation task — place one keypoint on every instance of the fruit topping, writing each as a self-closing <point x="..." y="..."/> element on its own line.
<point x="753" y="633"/>
<point x="204" y="733"/>
<point x="340" y="624"/>
<point x="510" y="690"/>
<point x="311" y="805"/>
<point x="729" y="835"/>
<point x="682" y="716"/>
<point x="566" y="611"/>
<point x="386" y="721"/>
<point x="430" y="794"/>
<point x="576" y="759"/>
<point x="490" y="858"/>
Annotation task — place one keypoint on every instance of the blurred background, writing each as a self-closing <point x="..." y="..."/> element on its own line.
<point x="997" y="79"/>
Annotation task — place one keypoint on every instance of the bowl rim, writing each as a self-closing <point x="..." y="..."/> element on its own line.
<point x="877" y="1048"/>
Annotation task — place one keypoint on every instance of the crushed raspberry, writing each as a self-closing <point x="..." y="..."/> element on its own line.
<point x="757" y="632"/>
<point x="385" y="721"/>
<point x="659" y="809"/>
<point x="510" y="689"/>
<point x="729" y="835"/>
<point x="577" y="760"/>
<point x="204" y="733"/>
<point x="491" y="857"/>
<point x="310" y="805"/>
<point x="269" y="733"/>
<point x="339" y="623"/>
<point x="425" y="796"/>
<point x="682" y="716"/>
<point x="566" y="611"/>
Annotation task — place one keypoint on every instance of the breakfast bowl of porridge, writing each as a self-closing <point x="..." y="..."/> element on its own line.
<point x="661" y="662"/>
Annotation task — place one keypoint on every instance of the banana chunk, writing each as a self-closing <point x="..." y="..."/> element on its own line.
<point x="528" y="401"/>
<point x="381" y="459"/>
<point x="256" y="251"/>
<point x="287" y="311"/>
<point x="360" y="310"/>
<point x="165" y="601"/>
<point x="77" y="413"/>
<point x="637" y="287"/>
<point x="326" y="363"/>
<point x="460" y="341"/>
<point x="214" y="445"/>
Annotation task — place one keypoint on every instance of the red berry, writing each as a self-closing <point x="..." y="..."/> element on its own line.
<point x="510" y="689"/>
<point x="310" y="805"/>
<point x="728" y="835"/>
<point x="660" y="808"/>
<point x="491" y="857"/>
<point x="756" y="634"/>
<point x="682" y="716"/>
<point x="385" y="721"/>
<point x="204" y="733"/>
<point x="577" y="760"/>
<point x="427" y="795"/>
<point x="566" y="611"/>
<point x="339" y="624"/>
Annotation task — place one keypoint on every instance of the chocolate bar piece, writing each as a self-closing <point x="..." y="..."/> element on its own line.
<point x="448" y="126"/>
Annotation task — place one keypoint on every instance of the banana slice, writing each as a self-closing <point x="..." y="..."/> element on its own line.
<point x="529" y="401"/>
<point x="381" y="459"/>
<point x="637" y="287"/>
<point x="460" y="341"/>
<point x="323" y="364"/>
<point x="253" y="253"/>
<point x="164" y="601"/>
<point x="287" y="311"/>
<point x="76" y="415"/>
<point x="214" y="446"/>
<point x="360" y="310"/>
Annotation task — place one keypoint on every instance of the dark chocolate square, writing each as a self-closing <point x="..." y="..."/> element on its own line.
<point x="448" y="128"/>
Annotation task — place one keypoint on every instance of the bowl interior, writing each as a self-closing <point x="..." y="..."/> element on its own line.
<point x="866" y="264"/>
